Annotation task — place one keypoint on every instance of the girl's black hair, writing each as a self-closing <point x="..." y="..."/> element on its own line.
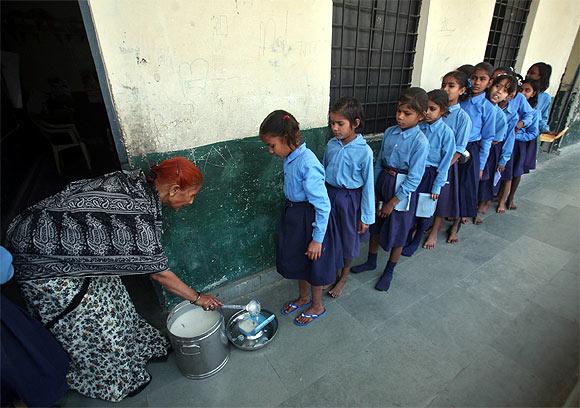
<point x="463" y="80"/>
<point x="351" y="109"/>
<point x="545" y="73"/>
<point x="439" y="97"/>
<point x="485" y="66"/>
<point x="511" y="87"/>
<point x="467" y="69"/>
<point x="282" y="124"/>
<point x="536" y="86"/>
<point x="416" y="98"/>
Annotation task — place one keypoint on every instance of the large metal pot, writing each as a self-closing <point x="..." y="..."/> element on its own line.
<point x="198" y="339"/>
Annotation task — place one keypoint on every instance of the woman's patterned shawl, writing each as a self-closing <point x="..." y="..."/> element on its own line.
<point x="110" y="225"/>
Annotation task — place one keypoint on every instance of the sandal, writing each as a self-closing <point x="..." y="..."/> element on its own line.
<point x="293" y="307"/>
<point x="312" y="316"/>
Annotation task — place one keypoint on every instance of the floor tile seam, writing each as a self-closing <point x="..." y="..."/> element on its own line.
<point x="537" y="305"/>
<point x="570" y="254"/>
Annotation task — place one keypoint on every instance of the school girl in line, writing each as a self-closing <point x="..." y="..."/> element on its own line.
<point x="455" y="84"/>
<point x="502" y="87"/>
<point x="516" y="167"/>
<point x="348" y="163"/>
<point x="441" y="151"/>
<point x="305" y="249"/>
<point x="540" y="72"/>
<point x="482" y="115"/>
<point x="517" y="102"/>
<point x="404" y="150"/>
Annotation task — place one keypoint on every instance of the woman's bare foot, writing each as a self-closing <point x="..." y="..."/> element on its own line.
<point x="464" y="220"/>
<point x="511" y="206"/>
<point x="477" y="220"/>
<point x="336" y="291"/>
<point x="501" y="208"/>
<point x="431" y="242"/>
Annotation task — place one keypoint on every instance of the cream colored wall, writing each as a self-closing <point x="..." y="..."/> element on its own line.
<point x="549" y="35"/>
<point x="573" y="63"/>
<point x="185" y="73"/>
<point x="451" y="33"/>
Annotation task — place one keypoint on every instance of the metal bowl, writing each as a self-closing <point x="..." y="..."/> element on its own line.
<point x="255" y="342"/>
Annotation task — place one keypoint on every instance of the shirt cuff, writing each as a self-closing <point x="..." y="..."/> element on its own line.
<point x="318" y="236"/>
<point x="401" y="196"/>
<point x="436" y="190"/>
<point x="367" y="219"/>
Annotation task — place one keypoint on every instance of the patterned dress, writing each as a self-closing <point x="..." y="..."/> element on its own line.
<point x="69" y="253"/>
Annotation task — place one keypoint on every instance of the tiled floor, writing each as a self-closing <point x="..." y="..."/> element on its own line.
<point x="492" y="321"/>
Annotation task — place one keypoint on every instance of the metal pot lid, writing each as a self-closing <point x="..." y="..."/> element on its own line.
<point x="238" y="337"/>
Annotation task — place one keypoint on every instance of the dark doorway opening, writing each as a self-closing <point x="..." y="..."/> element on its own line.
<point x="54" y="121"/>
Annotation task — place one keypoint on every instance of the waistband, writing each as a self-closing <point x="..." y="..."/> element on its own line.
<point x="342" y="188"/>
<point x="289" y="203"/>
<point x="474" y="143"/>
<point x="394" y="171"/>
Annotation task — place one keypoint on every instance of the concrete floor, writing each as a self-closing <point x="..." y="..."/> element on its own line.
<point x="492" y="321"/>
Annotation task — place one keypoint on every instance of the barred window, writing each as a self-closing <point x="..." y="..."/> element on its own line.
<point x="373" y="48"/>
<point x="505" y="33"/>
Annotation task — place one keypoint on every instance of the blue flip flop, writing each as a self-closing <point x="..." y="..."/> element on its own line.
<point x="293" y="308"/>
<point x="312" y="316"/>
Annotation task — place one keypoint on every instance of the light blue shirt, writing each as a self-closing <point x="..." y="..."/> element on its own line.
<point x="543" y="106"/>
<point x="351" y="166"/>
<point x="460" y="123"/>
<point x="531" y="132"/>
<point x="6" y="268"/>
<point x="441" y="150"/>
<point x="404" y="150"/>
<point x="500" y="124"/>
<point x="523" y="108"/>
<point x="511" y="118"/>
<point x="482" y="115"/>
<point x="304" y="181"/>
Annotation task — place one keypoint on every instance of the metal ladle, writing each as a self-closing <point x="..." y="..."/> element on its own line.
<point x="253" y="307"/>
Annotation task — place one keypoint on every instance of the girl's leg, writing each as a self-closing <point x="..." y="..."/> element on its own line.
<point x="384" y="282"/>
<point x="432" y="238"/>
<point x="303" y="294"/>
<point x="510" y="199"/>
<point x="371" y="262"/>
<point x="336" y="291"/>
<point x="315" y="308"/>
<point x="452" y="237"/>
<point x="481" y="209"/>
<point x="503" y="195"/>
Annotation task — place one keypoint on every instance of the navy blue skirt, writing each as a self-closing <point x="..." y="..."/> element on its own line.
<point x="448" y="202"/>
<point x="531" y="154"/>
<point x="345" y="210"/>
<point x="394" y="229"/>
<point x="468" y="174"/>
<point x="515" y="166"/>
<point x="34" y="364"/>
<point x="486" y="189"/>
<point x="294" y="235"/>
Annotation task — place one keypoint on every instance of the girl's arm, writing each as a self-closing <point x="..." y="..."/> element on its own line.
<point x="525" y="111"/>
<point x="532" y="131"/>
<point x="379" y="162"/>
<point x="487" y="134"/>
<point x="316" y="194"/>
<point x="462" y="131"/>
<point x="544" y="102"/>
<point x="508" y="143"/>
<point x="419" y="152"/>
<point x="367" y="206"/>
<point x="447" y="152"/>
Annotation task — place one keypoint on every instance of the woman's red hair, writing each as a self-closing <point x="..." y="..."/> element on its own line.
<point x="177" y="170"/>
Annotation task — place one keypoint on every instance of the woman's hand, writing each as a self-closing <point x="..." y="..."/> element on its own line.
<point x="480" y="174"/>
<point x="209" y="302"/>
<point x="314" y="250"/>
<point x="501" y="168"/>
<point x="520" y="124"/>
<point x="362" y="228"/>
<point x="434" y="196"/>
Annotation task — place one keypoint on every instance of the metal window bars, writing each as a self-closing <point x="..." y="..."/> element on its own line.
<point x="373" y="48"/>
<point x="505" y="33"/>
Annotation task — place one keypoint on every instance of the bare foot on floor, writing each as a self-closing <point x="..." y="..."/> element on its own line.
<point x="483" y="208"/>
<point x="477" y="220"/>
<point x="512" y="206"/>
<point x="501" y="208"/>
<point x="464" y="220"/>
<point x="430" y="243"/>
<point x="452" y="238"/>
<point x="336" y="291"/>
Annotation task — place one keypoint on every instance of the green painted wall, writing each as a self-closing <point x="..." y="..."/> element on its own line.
<point x="229" y="231"/>
<point x="571" y="115"/>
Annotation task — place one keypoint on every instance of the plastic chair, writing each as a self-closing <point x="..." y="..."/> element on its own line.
<point x="62" y="137"/>
<point x="553" y="140"/>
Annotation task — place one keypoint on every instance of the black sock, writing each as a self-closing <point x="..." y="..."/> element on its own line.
<point x="369" y="265"/>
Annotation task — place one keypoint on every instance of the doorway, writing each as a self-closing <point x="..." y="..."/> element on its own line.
<point x="55" y="127"/>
